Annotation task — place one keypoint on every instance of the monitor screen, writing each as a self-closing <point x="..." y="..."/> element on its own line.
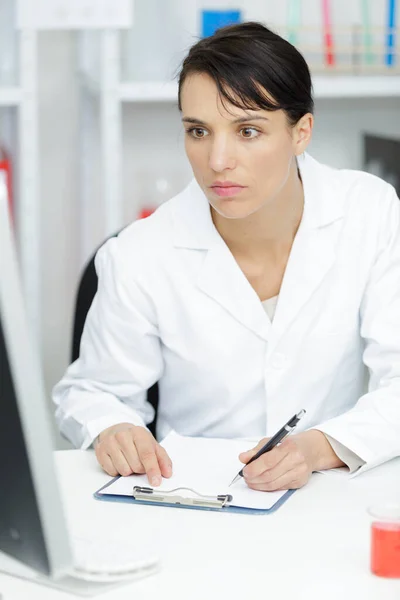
<point x="21" y="533"/>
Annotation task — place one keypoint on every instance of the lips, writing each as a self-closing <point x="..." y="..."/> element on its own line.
<point x="227" y="188"/>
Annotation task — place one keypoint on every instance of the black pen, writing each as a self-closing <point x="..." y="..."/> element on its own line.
<point x="274" y="441"/>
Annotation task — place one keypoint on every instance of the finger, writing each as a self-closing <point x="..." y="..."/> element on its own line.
<point x="244" y="457"/>
<point x="106" y="464"/>
<point x="265" y="462"/>
<point x="290" y="480"/>
<point x="118" y="458"/>
<point x="288" y="462"/>
<point x="127" y="445"/>
<point x="148" y="458"/>
<point x="164" y="461"/>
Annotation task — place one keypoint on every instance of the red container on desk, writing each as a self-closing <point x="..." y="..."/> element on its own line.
<point x="385" y="541"/>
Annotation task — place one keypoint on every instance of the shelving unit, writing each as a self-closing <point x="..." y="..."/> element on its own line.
<point x="111" y="93"/>
<point x="325" y="86"/>
<point x="20" y="130"/>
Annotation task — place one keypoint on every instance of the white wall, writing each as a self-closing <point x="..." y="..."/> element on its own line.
<point x="340" y="125"/>
<point x="153" y="142"/>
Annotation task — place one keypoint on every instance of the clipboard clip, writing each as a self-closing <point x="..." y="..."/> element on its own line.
<point x="170" y="497"/>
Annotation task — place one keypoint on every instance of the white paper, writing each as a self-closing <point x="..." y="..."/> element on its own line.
<point x="208" y="466"/>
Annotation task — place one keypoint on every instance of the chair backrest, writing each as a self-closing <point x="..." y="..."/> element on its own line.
<point x="86" y="292"/>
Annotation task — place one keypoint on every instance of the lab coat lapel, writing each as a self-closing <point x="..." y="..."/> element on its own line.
<point x="220" y="277"/>
<point x="312" y="256"/>
<point x="314" y="248"/>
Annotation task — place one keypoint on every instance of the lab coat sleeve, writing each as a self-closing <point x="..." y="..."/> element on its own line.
<point x="120" y="356"/>
<point x="372" y="428"/>
<point x="349" y="458"/>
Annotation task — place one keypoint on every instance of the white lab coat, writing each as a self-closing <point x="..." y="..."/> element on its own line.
<point x="173" y="306"/>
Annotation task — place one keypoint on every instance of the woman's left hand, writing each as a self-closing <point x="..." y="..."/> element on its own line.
<point x="290" y="464"/>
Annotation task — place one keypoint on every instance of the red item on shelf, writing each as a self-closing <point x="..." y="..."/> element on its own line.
<point x="5" y="166"/>
<point x="145" y="212"/>
<point x="385" y="549"/>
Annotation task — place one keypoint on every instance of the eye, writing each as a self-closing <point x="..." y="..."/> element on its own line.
<point x="197" y="132"/>
<point x="249" y="132"/>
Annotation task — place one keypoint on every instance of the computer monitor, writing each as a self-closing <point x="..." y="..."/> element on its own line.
<point x="34" y="540"/>
<point x="33" y="533"/>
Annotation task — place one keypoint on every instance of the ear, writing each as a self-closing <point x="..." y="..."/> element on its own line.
<point x="302" y="133"/>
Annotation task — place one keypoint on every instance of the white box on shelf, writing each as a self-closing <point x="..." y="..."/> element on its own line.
<point x="74" y="14"/>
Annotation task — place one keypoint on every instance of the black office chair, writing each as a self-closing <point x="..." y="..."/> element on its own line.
<point x="86" y="292"/>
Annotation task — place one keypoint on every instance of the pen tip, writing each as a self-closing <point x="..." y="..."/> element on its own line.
<point x="234" y="480"/>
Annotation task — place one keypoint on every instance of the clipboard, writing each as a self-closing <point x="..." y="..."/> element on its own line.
<point x="197" y="472"/>
<point x="180" y="498"/>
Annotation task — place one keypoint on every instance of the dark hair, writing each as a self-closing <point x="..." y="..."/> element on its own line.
<point x="253" y="68"/>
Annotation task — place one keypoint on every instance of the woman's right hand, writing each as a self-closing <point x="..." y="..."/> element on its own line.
<point x="124" y="449"/>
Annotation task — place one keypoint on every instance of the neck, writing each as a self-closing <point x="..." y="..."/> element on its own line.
<point x="271" y="229"/>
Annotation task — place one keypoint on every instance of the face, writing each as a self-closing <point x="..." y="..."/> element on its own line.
<point x="242" y="159"/>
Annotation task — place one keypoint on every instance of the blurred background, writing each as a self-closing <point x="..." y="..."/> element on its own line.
<point x="90" y="133"/>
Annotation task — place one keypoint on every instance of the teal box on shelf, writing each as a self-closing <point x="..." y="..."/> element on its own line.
<point x="215" y="19"/>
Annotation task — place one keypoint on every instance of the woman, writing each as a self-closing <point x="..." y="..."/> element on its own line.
<point x="270" y="284"/>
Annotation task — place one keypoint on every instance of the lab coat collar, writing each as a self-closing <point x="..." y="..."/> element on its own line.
<point x="194" y="228"/>
<point x="311" y="257"/>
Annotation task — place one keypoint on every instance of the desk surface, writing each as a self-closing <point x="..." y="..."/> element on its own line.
<point x="315" y="547"/>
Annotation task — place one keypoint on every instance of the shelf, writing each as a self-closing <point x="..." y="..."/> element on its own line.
<point x="325" y="86"/>
<point x="149" y="92"/>
<point x="10" y="96"/>
<point x="366" y="86"/>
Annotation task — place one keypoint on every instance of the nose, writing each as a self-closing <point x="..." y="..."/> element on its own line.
<point x="222" y="155"/>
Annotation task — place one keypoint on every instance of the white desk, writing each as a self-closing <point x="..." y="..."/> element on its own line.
<point x="316" y="547"/>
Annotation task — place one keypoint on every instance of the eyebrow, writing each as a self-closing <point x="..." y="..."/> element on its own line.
<point x="239" y="120"/>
